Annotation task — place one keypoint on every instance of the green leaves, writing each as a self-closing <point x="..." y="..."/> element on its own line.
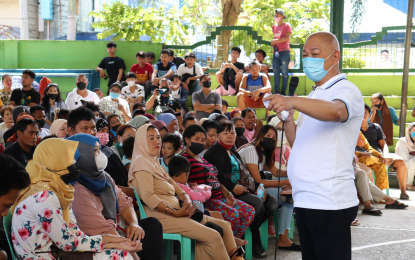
<point x="130" y="23"/>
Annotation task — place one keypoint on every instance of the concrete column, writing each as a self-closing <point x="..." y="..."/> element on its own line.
<point x="24" y="20"/>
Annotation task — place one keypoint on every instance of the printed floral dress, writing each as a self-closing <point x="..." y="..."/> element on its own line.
<point x="38" y="223"/>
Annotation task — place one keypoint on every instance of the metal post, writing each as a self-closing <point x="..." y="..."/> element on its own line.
<point x="336" y="24"/>
<point x="405" y="76"/>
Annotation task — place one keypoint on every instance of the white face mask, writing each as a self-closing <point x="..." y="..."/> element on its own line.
<point x="131" y="83"/>
<point x="175" y="86"/>
<point x="101" y="160"/>
<point x="280" y="136"/>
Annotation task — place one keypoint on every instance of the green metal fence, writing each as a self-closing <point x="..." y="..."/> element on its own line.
<point x="383" y="53"/>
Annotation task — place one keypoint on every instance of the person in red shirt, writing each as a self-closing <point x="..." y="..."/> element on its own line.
<point x="143" y="72"/>
<point x="281" y="44"/>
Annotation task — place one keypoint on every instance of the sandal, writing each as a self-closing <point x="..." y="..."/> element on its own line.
<point x="372" y="211"/>
<point x="293" y="247"/>
<point x="239" y="252"/>
<point x="260" y="252"/>
<point x="396" y="205"/>
<point x="355" y="223"/>
<point x="410" y="187"/>
<point x="404" y="196"/>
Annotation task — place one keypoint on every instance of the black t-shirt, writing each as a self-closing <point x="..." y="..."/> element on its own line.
<point x="24" y="98"/>
<point x="229" y="75"/>
<point x="19" y="154"/>
<point x="373" y="135"/>
<point x="112" y="65"/>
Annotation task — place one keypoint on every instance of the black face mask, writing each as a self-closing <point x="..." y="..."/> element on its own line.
<point x="378" y="105"/>
<point x="81" y="85"/>
<point x="73" y="174"/>
<point x="115" y="128"/>
<point x="206" y="84"/>
<point x="196" y="148"/>
<point x="53" y="96"/>
<point x="41" y="122"/>
<point x="268" y="143"/>
<point x="239" y="131"/>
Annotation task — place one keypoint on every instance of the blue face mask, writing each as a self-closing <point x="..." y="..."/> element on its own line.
<point x="413" y="135"/>
<point x="314" y="68"/>
<point x="114" y="95"/>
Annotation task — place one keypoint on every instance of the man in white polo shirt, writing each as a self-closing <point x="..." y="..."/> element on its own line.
<point x="320" y="169"/>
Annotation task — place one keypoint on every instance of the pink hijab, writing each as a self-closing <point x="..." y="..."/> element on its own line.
<point x="142" y="160"/>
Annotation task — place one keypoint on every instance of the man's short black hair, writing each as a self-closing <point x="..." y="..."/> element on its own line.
<point x="218" y="111"/>
<point x="262" y="52"/>
<point x="175" y="75"/>
<point x="151" y="54"/>
<point x="236" y="49"/>
<point x="171" y="52"/>
<point x="165" y="51"/>
<point x="187" y="118"/>
<point x="204" y="75"/>
<point x="130" y="75"/>
<point x="246" y="110"/>
<point x="190" y="55"/>
<point x="22" y="124"/>
<point x="35" y="108"/>
<point x="98" y="89"/>
<point x="174" y="139"/>
<point x="63" y="112"/>
<point x="178" y="165"/>
<point x="367" y="107"/>
<point x="79" y="114"/>
<point x="136" y="105"/>
<point x="112" y="116"/>
<point x="115" y="85"/>
<point x="31" y="74"/>
<point x="191" y="130"/>
<point x="221" y="117"/>
<point x="140" y="54"/>
<point x="385" y="51"/>
<point x="225" y="103"/>
<point x="111" y="44"/>
<point x="128" y="146"/>
<point x="210" y="124"/>
<point x="13" y="175"/>
<point x="91" y="105"/>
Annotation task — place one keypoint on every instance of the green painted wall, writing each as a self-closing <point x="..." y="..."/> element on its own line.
<point x="34" y="54"/>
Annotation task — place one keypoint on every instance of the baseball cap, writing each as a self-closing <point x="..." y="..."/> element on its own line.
<point x="280" y="11"/>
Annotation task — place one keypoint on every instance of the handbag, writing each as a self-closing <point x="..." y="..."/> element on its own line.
<point x="246" y="180"/>
<point x="66" y="255"/>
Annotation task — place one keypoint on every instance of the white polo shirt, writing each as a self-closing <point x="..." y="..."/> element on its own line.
<point x="320" y="168"/>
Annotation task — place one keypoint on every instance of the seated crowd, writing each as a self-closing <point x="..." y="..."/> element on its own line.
<point x="70" y="168"/>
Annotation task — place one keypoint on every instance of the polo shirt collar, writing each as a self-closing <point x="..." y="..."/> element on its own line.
<point x="210" y="91"/>
<point x="331" y="82"/>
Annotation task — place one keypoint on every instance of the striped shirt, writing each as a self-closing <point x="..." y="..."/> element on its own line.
<point x="204" y="173"/>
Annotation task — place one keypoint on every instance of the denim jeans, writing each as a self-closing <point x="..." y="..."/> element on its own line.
<point x="280" y="65"/>
<point x="286" y="211"/>
<point x="196" y="87"/>
<point x="183" y="98"/>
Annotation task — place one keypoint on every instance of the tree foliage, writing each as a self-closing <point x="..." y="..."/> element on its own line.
<point x="130" y="23"/>
<point x="358" y="10"/>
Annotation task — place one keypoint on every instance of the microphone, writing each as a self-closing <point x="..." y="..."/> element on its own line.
<point x="293" y="87"/>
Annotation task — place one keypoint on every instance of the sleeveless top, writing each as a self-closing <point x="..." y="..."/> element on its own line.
<point x="252" y="85"/>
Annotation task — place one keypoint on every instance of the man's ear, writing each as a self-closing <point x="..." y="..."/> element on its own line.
<point x="70" y="131"/>
<point x="18" y="133"/>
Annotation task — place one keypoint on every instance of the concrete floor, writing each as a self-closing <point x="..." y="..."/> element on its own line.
<point x="390" y="236"/>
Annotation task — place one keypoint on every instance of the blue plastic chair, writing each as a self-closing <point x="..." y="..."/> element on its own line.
<point x="186" y="244"/>
<point x="7" y="221"/>
<point x="264" y="239"/>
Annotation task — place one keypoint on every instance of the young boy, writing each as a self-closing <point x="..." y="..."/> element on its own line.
<point x="225" y="106"/>
<point x="143" y="71"/>
<point x="113" y="65"/>
<point x="127" y="148"/>
<point x="179" y="168"/>
<point x="133" y="93"/>
<point x="179" y="90"/>
<point x="170" y="147"/>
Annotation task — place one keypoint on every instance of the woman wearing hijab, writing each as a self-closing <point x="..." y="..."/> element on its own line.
<point x="103" y="132"/>
<point x="158" y="191"/>
<point x="98" y="202"/>
<point x="138" y="121"/>
<point x="59" y="128"/>
<point x="42" y="216"/>
<point x="406" y="149"/>
<point x="171" y="122"/>
<point x="161" y="127"/>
